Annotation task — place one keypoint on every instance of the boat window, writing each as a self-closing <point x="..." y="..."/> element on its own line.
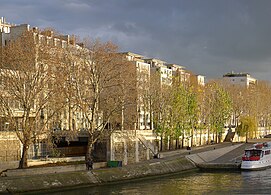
<point x="249" y="153"/>
<point x="267" y="152"/>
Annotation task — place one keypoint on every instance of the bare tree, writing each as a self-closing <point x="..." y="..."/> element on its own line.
<point x="263" y="99"/>
<point x="159" y="107"/>
<point x="29" y="84"/>
<point x="98" y="88"/>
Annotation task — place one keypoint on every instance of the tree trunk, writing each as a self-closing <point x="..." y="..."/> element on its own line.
<point x="169" y="143"/>
<point x="90" y="148"/>
<point x="246" y="137"/>
<point x="192" y="137"/>
<point x="161" y="143"/>
<point x="200" y="136"/>
<point x="208" y="136"/>
<point x="122" y="117"/>
<point x="182" y="141"/>
<point x="151" y="116"/>
<point x="23" y="161"/>
<point x="89" y="154"/>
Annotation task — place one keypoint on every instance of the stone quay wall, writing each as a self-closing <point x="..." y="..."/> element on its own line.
<point x="49" y="181"/>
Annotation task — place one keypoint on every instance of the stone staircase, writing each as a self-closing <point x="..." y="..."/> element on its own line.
<point x="229" y="137"/>
<point x="147" y="143"/>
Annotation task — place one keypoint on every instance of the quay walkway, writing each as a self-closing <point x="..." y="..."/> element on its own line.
<point x="218" y="156"/>
<point x="171" y="162"/>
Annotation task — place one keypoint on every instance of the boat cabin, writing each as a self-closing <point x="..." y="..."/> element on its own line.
<point x="252" y="155"/>
<point x="258" y="151"/>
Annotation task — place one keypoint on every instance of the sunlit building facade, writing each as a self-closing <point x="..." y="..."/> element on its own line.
<point x="142" y="85"/>
<point x="242" y="79"/>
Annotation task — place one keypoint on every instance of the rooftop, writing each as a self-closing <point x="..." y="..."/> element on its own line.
<point x="232" y="74"/>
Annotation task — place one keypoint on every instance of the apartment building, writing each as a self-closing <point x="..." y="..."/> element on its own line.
<point x="10" y="32"/>
<point x="137" y="117"/>
<point x="200" y="80"/>
<point x="160" y="67"/>
<point x="67" y="119"/>
<point x="4" y="26"/>
<point x="142" y="85"/>
<point x="179" y="73"/>
<point x="4" y="29"/>
<point x="242" y="79"/>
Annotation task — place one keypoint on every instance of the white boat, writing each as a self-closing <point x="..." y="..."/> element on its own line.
<point x="257" y="157"/>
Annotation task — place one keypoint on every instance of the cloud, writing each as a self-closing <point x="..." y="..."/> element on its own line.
<point x="210" y="37"/>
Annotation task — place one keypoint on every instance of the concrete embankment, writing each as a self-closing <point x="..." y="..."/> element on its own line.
<point x="95" y="177"/>
<point x="223" y="158"/>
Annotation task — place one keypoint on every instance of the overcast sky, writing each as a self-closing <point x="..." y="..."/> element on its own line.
<point x="208" y="37"/>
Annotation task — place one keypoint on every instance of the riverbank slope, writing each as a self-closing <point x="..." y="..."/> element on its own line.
<point x="99" y="176"/>
<point x="172" y="162"/>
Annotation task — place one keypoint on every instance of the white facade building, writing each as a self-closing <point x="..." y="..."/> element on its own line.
<point x="143" y="86"/>
<point x="4" y="26"/>
<point x="161" y="67"/>
<point x="200" y="80"/>
<point x="179" y="72"/>
<point x="242" y="79"/>
<point x="9" y="32"/>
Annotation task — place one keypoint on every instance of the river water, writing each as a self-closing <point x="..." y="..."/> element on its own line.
<point x="195" y="182"/>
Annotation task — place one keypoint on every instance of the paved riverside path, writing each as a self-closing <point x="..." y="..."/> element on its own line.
<point x="235" y="156"/>
<point x="194" y="150"/>
<point x="218" y="156"/>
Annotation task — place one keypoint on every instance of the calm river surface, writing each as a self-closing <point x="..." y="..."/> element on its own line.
<point x="196" y="182"/>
